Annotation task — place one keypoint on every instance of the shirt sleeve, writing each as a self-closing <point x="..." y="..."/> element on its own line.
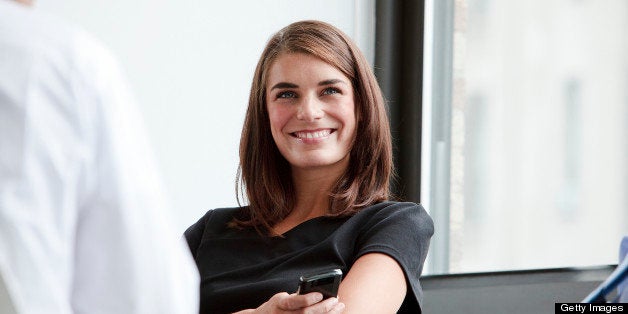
<point x="401" y="231"/>
<point x="194" y="234"/>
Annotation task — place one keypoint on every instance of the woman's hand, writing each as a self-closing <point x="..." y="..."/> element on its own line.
<point x="294" y="303"/>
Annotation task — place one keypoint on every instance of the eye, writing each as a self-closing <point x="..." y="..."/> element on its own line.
<point x="331" y="91"/>
<point x="286" y="94"/>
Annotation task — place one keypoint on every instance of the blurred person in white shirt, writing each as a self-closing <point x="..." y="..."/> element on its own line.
<point x="83" y="224"/>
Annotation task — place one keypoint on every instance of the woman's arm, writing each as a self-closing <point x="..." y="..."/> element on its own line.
<point x="375" y="284"/>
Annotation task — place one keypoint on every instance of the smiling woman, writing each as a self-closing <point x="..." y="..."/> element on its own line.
<point x="312" y="118"/>
<point x="316" y="161"/>
<point x="272" y="197"/>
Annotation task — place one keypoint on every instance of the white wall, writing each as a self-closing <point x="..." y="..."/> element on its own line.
<point x="190" y="64"/>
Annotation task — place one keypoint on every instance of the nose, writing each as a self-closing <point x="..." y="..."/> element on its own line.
<point x="310" y="109"/>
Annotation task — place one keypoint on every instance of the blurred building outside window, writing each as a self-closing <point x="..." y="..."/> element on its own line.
<point x="538" y="144"/>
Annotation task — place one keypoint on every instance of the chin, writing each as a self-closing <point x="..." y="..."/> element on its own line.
<point x="317" y="162"/>
<point x="312" y="164"/>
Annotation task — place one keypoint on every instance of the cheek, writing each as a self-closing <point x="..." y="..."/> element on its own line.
<point x="278" y="118"/>
<point x="349" y="117"/>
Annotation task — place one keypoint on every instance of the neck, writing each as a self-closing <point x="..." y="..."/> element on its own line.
<point x="313" y="187"/>
<point x="312" y="190"/>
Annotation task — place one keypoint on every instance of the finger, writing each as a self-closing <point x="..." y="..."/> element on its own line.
<point x="326" y="306"/>
<point x="297" y="301"/>
<point x="339" y="308"/>
<point x="329" y="304"/>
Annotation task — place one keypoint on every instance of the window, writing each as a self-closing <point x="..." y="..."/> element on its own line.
<point x="525" y="138"/>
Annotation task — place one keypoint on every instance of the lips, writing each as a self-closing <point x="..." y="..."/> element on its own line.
<point x="313" y="134"/>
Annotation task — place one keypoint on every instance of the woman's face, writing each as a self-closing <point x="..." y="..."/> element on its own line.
<point x="311" y="110"/>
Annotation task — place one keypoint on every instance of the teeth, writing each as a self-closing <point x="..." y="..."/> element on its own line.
<point x="309" y="135"/>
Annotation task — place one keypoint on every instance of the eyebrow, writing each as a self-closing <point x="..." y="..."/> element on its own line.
<point x="321" y="83"/>
<point x="284" y="85"/>
<point x="331" y="82"/>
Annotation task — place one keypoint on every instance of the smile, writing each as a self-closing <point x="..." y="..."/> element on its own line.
<point x="312" y="134"/>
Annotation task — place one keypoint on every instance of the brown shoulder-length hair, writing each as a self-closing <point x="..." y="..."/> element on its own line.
<point x="264" y="175"/>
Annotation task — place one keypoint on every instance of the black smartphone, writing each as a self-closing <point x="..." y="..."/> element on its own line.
<point x="326" y="283"/>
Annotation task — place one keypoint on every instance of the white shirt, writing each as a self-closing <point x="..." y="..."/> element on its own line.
<point x="82" y="211"/>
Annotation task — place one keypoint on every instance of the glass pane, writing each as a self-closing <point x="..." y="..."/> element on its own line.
<point x="539" y="134"/>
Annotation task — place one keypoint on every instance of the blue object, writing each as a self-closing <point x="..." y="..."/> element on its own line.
<point x="616" y="280"/>
<point x="622" y="289"/>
